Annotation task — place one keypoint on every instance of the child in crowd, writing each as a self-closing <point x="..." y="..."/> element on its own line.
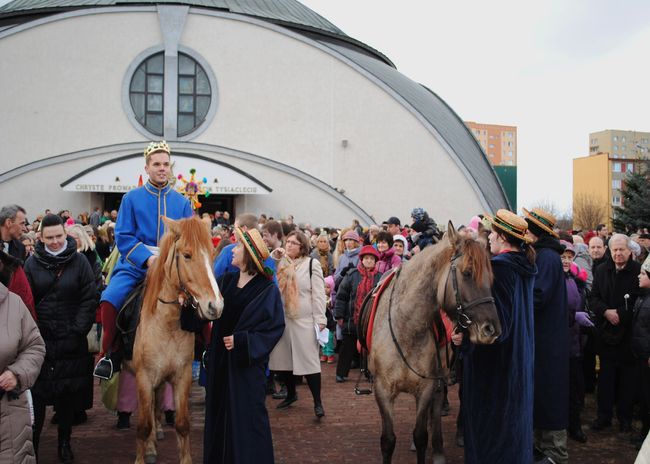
<point x="355" y="286"/>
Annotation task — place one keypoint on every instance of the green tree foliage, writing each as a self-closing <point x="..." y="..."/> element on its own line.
<point x="634" y="213"/>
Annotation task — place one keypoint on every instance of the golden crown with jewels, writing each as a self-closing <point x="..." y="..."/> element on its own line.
<point x="156" y="146"/>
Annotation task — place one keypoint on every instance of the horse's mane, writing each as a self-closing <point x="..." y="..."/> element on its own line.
<point x="195" y="235"/>
<point x="476" y="260"/>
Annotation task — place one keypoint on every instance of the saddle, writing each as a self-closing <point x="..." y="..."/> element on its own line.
<point x="126" y="325"/>
<point x="368" y="310"/>
<point x="442" y="327"/>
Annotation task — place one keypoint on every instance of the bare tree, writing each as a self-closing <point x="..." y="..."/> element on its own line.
<point x="563" y="221"/>
<point x="547" y="206"/>
<point x="588" y="212"/>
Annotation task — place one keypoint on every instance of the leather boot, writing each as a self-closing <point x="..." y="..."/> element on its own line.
<point x="108" y="315"/>
<point x="65" y="452"/>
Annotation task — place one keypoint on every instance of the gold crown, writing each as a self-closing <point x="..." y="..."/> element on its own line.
<point x="156" y="146"/>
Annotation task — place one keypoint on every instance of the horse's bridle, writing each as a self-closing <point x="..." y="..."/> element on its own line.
<point x="190" y="300"/>
<point x="464" y="321"/>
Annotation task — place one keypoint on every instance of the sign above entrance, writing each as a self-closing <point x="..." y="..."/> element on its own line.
<point x="122" y="174"/>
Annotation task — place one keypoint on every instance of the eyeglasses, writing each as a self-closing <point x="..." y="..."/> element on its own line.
<point x="293" y="242"/>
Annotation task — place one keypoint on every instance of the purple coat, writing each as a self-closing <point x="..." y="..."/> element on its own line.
<point x="575" y="303"/>
<point x="387" y="261"/>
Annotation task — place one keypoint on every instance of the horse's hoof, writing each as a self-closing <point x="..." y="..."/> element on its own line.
<point x="439" y="459"/>
<point x="413" y="448"/>
<point x="160" y="434"/>
<point x="150" y="459"/>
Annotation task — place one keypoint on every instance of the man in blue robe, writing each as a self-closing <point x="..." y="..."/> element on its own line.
<point x="138" y="232"/>
<point x="551" y="404"/>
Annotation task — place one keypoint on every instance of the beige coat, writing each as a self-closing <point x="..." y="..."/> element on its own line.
<point x="21" y="351"/>
<point x="297" y="350"/>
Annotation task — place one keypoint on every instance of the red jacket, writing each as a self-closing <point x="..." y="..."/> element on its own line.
<point x="20" y="286"/>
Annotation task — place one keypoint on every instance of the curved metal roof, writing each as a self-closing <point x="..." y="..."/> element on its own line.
<point x="288" y="13"/>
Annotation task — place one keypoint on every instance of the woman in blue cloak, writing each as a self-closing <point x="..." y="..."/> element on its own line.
<point x="498" y="379"/>
<point x="237" y="428"/>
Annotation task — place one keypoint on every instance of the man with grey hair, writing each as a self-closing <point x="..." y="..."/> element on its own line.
<point x="612" y="298"/>
<point x="12" y="227"/>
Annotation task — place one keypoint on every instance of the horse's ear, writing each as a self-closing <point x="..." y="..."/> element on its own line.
<point x="171" y="225"/>
<point x="452" y="235"/>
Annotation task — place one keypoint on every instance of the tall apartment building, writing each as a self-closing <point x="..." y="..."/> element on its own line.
<point x="498" y="142"/>
<point x="600" y="176"/>
<point x="620" y="144"/>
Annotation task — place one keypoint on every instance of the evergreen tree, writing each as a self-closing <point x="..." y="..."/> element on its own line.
<point x="634" y="213"/>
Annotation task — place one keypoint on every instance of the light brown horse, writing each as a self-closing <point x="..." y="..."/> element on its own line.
<point x="181" y="279"/>
<point x="454" y="275"/>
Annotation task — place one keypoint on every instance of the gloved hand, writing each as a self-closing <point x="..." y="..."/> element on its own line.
<point x="347" y="269"/>
<point x="582" y="318"/>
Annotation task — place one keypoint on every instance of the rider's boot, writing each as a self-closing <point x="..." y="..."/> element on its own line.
<point x="109" y="315"/>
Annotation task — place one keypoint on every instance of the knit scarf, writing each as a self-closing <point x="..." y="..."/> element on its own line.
<point x="286" y="273"/>
<point x="324" y="263"/>
<point x="365" y="286"/>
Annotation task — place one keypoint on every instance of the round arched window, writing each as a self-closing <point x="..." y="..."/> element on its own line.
<point x="147" y="94"/>
<point x="194" y="94"/>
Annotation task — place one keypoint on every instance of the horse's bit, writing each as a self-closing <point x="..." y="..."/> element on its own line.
<point x="190" y="301"/>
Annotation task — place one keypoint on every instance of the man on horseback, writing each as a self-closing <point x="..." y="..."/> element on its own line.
<point x="138" y="231"/>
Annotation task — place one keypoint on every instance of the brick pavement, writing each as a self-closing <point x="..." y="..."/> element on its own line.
<point x="349" y="433"/>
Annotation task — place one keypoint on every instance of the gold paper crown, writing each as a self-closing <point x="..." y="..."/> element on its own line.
<point x="156" y="146"/>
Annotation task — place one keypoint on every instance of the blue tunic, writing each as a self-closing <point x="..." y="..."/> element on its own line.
<point x="140" y="223"/>
<point x="498" y="379"/>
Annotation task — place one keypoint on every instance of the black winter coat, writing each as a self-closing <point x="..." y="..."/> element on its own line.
<point x="65" y="296"/>
<point x="609" y="288"/>
<point x="345" y="298"/>
<point x="641" y="326"/>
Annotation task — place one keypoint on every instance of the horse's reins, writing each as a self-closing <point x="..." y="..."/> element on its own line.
<point x="190" y="300"/>
<point x="464" y="321"/>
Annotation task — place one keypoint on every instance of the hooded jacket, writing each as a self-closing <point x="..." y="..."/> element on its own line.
<point x="21" y="351"/>
<point x="66" y="297"/>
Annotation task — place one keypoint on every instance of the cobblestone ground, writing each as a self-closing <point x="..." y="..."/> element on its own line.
<point x="349" y="433"/>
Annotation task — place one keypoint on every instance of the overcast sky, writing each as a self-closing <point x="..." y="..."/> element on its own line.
<point x="557" y="69"/>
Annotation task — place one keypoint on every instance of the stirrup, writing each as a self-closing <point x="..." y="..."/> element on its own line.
<point x="104" y="369"/>
<point x="363" y="391"/>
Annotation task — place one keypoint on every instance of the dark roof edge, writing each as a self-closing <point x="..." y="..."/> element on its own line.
<point x="24" y="16"/>
<point x="344" y="41"/>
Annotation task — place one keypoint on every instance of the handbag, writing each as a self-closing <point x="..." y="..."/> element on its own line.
<point x="93" y="339"/>
<point x="110" y="389"/>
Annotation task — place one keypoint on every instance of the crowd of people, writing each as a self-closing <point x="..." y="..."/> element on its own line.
<point x="574" y="308"/>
